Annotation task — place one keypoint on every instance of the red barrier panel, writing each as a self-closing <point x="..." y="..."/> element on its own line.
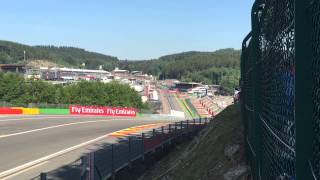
<point x="151" y="143"/>
<point x="102" y="111"/>
<point x="10" y="111"/>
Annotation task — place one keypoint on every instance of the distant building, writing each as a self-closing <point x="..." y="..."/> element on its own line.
<point x="134" y="73"/>
<point x="122" y="74"/>
<point x="154" y="95"/>
<point x="138" y="88"/>
<point x="200" y="91"/>
<point x="72" y="74"/>
<point x="15" y="68"/>
<point x="170" y="82"/>
<point x="142" y="77"/>
<point x="32" y="73"/>
<point x="185" y="87"/>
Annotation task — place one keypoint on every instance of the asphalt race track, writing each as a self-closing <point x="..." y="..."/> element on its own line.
<point x="25" y="139"/>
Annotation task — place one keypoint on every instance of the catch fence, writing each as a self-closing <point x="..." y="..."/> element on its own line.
<point x="280" y="89"/>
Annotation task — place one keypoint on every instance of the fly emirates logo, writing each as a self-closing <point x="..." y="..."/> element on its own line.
<point x="106" y="111"/>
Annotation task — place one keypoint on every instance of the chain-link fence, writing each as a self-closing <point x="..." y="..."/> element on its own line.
<point x="280" y="84"/>
<point x="314" y="12"/>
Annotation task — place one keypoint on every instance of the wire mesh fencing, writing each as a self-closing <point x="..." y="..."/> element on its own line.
<point x="314" y="12"/>
<point x="280" y="89"/>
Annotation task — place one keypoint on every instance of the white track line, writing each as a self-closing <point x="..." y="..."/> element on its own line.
<point x="25" y="170"/>
<point x="53" y="117"/>
<point x="38" y="162"/>
<point x="23" y="167"/>
<point x="56" y="126"/>
<point x="23" y="119"/>
<point x="46" y="158"/>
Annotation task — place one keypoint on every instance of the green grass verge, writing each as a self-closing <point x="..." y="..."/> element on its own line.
<point x="184" y="107"/>
<point x="54" y="111"/>
<point x="140" y="114"/>
<point x="192" y="108"/>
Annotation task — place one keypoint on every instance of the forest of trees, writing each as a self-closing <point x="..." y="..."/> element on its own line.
<point x="11" y="52"/>
<point x="221" y="67"/>
<point x="17" y="91"/>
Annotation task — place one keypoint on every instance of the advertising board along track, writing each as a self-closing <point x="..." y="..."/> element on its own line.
<point x="102" y="111"/>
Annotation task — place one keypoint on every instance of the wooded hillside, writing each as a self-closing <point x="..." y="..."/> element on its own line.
<point x="11" y="52"/>
<point x="220" y="67"/>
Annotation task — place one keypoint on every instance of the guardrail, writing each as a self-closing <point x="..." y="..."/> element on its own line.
<point x="192" y="110"/>
<point x="280" y="89"/>
<point x="131" y="152"/>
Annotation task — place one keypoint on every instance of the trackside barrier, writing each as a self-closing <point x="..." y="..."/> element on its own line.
<point x="29" y="111"/>
<point x="52" y="111"/>
<point x="192" y="108"/>
<point x="43" y="111"/>
<point x="130" y="156"/>
<point x="102" y="111"/>
<point x="73" y="110"/>
<point x="10" y="111"/>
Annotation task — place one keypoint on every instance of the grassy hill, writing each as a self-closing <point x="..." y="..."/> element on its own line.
<point x="11" y="52"/>
<point x="217" y="153"/>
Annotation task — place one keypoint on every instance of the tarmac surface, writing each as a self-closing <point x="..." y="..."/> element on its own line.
<point x="33" y="144"/>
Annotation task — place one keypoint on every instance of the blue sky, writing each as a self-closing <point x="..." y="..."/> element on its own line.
<point x="128" y="29"/>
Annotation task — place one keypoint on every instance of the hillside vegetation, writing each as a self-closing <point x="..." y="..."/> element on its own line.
<point x="17" y="91"/>
<point x="11" y="52"/>
<point x="220" y="67"/>
<point x="218" y="153"/>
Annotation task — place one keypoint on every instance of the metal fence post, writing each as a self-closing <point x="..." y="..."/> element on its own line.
<point x="43" y="176"/>
<point x="175" y="127"/>
<point x="303" y="88"/>
<point x="194" y="123"/>
<point x="162" y="130"/>
<point x="91" y="165"/>
<point x="112" y="161"/>
<point x="256" y="78"/>
<point x="170" y="136"/>
<point x="246" y="48"/>
<point x="142" y="136"/>
<point x="153" y="133"/>
<point x="129" y="149"/>
<point x="84" y="169"/>
<point x="181" y="126"/>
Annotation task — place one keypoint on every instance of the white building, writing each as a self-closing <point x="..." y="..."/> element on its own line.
<point x="72" y="74"/>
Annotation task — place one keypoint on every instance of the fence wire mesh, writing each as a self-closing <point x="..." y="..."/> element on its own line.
<point x="276" y="42"/>
<point x="248" y="99"/>
<point x="272" y="118"/>
<point x="314" y="12"/>
<point x="270" y="82"/>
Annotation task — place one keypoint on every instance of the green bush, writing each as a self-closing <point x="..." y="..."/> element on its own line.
<point x="16" y="90"/>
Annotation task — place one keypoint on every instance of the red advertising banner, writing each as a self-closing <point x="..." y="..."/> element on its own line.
<point x="10" y="111"/>
<point x="101" y="111"/>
